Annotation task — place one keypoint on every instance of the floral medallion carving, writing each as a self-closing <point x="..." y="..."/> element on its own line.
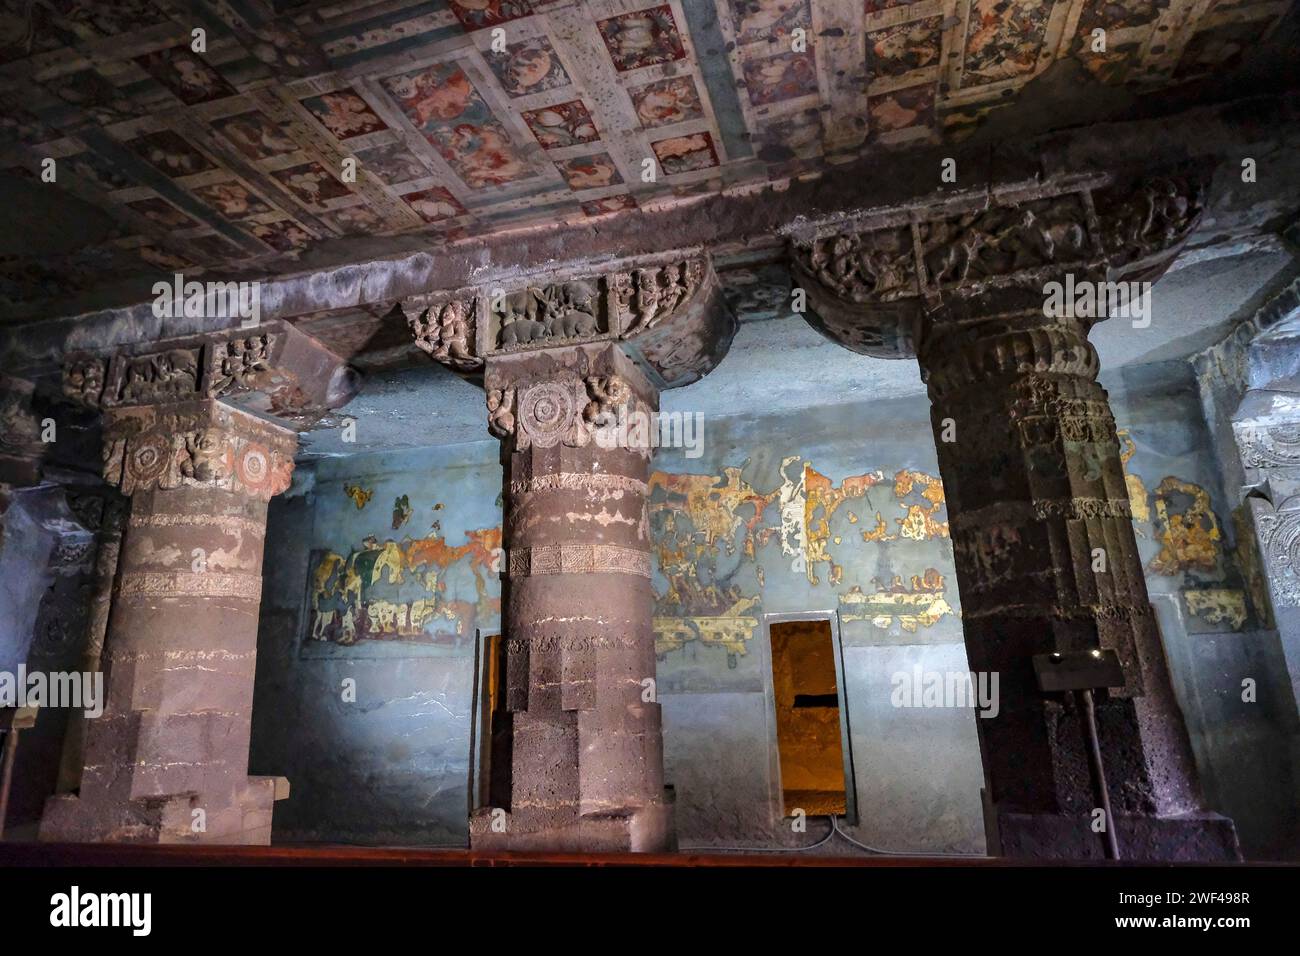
<point x="197" y="444"/>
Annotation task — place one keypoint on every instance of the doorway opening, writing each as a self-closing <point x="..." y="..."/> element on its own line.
<point x="491" y="731"/>
<point x="811" y="718"/>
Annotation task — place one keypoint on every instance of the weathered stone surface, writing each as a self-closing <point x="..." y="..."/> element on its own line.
<point x="1040" y="515"/>
<point x="587" y="754"/>
<point x="181" y="647"/>
<point x="168" y="759"/>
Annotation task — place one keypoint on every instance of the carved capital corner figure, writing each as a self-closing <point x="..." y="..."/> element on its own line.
<point x="1042" y="535"/>
<point x="186" y="436"/>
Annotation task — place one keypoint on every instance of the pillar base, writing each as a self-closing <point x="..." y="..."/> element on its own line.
<point x="648" y="829"/>
<point x="1191" y="838"/>
<point x="241" y="819"/>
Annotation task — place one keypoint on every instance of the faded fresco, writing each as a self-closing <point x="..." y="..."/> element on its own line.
<point x="720" y="539"/>
<point x="1181" y="538"/>
<point x="443" y="105"/>
<point x="401" y="562"/>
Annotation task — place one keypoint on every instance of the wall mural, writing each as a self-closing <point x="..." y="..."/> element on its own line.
<point x="1176" y="520"/>
<point x="874" y="544"/>
<point x="718" y="538"/>
<point x="398" y="566"/>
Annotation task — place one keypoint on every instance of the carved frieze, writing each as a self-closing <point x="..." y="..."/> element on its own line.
<point x="201" y="444"/>
<point x="446" y="331"/>
<point x="202" y="370"/>
<point x="670" y="313"/>
<point x="644" y="297"/>
<point x="549" y="314"/>
<point x="872" y="287"/>
<point x="241" y="363"/>
<point x="1007" y="243"/>
<point x="275" y="370"/>
<point x="862" y="266"/>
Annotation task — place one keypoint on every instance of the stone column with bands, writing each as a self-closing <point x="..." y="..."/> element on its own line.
<point x="573" y="368"/>
<point x="587" y="752"/>
<point x="167" y="761"/>
<point x="987" y="296"/>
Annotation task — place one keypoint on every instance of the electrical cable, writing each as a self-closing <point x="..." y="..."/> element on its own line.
<point x="760" y="849"/>
<point x="916" y="853"/>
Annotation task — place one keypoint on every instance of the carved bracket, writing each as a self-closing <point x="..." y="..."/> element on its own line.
<point x="870" y="287"/>
<point x="668" y="314"/>
<point x="272" y="370"/>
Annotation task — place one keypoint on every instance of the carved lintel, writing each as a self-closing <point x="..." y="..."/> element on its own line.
<point x="196" y="444"/>
<point x="275" y="371"/>
<point x="873" y="289"/>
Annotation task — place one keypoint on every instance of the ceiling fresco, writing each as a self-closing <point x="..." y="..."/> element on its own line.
<point x="298" y="122"/>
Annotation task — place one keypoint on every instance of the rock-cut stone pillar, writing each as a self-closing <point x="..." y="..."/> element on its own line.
<point x="996" y="297"/>
<point x="167" y="761"/>
<point x="587" y="752"/>
<point x="573" y="364"/>
<point x="1047" y="562"/>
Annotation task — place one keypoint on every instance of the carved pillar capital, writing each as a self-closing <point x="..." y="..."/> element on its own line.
<point x="200" y="444"/>
<point x="572" y="397"/>
<point x="879" y="283"/>
<point x="216" y="411"/>
<point x="666" y="313"/>
<point x="1029" y="347"/>
<point x="577" y="604"/>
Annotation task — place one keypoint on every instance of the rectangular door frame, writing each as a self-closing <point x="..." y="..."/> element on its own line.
<point x="846" y="740"/>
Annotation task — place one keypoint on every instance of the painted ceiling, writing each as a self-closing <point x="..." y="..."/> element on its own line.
<point x="467" y="117"/>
